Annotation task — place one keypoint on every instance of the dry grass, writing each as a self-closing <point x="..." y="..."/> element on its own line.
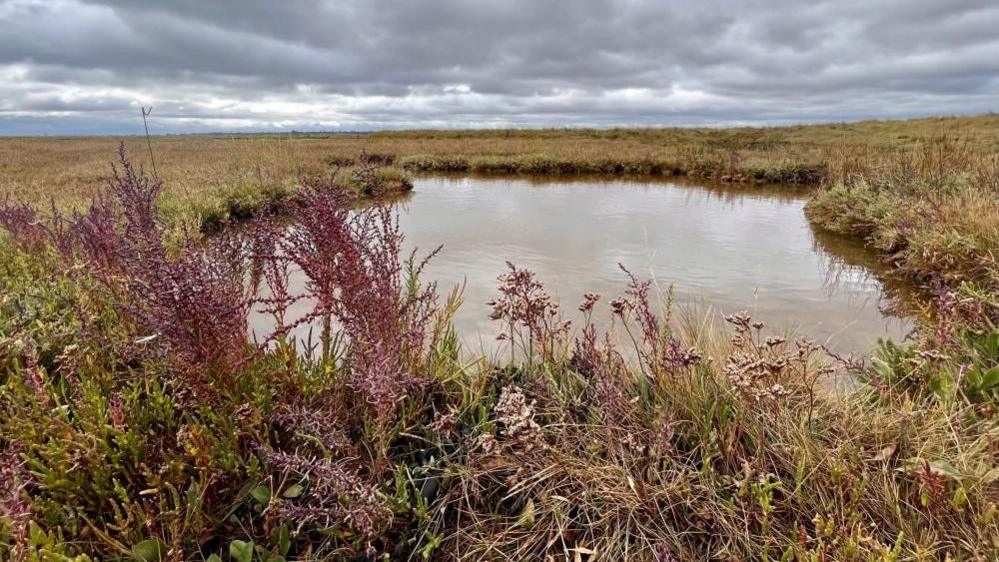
<point x="193" y="167"/>
<point x="922" y="191"/>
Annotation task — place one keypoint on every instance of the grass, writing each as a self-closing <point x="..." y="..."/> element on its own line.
<point x="137" y="421"/>
<point x="944" y="165"/>
<point x="931" y="211"/>
<point x="195" y="166"/>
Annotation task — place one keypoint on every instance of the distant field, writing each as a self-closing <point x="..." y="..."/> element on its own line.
<point x="921" y="191"/>
<point x="69" y="168"/>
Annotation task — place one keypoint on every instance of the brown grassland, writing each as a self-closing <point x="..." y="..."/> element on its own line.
<point x="948" y="165"/>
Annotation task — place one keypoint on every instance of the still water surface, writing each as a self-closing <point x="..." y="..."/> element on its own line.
<point x="723" y="249"/>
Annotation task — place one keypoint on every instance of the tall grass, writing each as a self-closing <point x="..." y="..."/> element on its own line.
<point x="931" y="210"/>
<point x="138" y="420"/>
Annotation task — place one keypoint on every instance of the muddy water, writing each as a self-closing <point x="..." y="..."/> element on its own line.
<point x="723" y="250"/>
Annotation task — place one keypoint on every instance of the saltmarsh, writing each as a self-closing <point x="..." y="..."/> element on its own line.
<point x="137" y="420"/>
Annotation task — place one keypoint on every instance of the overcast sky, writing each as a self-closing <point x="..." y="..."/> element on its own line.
<point x="80" y="67"/>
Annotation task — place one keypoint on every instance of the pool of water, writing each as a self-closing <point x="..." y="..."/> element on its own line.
<point x="722" y="249"/>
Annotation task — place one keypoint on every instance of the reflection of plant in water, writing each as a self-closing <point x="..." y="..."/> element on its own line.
<point x="849" y="265"/>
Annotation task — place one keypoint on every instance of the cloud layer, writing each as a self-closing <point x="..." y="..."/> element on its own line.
<point x="77" y="66"/>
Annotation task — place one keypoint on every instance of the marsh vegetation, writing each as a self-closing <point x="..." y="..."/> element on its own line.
<point x="140" y="419"/>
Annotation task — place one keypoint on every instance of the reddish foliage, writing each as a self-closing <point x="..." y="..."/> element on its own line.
<point x="355" y="278"/>
<point x="335" y="495"/>
<point x="663" y="352"/>
<point x="531" y="317"/>
<point x="195" y="304"/>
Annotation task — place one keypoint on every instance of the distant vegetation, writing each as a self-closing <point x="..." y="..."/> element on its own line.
<point x="139" y="421"/>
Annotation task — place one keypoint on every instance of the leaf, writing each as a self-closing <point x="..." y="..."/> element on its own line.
<point x="942" y="468"/>
<point x="990" y="378"/>
<point x="214" y="558"/>
<point x="284" y="541"/>
<point x="991" y="344"/>
<point x="526" y="519"/>
<point x="241" y="551"/>
<point x="265" y="555"/>
<point x="433" y="541"/>
<point x="887" y="453"/>
<point x="960" y="498"/>
<point x="942" y="385"/>
<point x="262" y="494"/>
<point x="293" y="491"/>
<point x="152" y="550"/>
<point x="946" y="469"/>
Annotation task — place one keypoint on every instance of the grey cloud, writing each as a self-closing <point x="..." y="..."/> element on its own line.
<point x="86" y="65"/>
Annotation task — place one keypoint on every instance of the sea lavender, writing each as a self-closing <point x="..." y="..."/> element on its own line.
<point x="660" y="351"/>
<point x="516" y="415"/>
<point x="758" y="365"/>
<point x="604" y="370"/>
<point x="530" y="317"/>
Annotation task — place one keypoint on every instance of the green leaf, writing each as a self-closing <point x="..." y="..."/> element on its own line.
<point x="990" y="378"/>
<point x="152" y="550"/>
<point x="433" y="541"/>
<point x="284" y="541"/>
<point x="241" y="551"/>
<point x="991" y="345"/>
<point x="941" y="467"/>
<point x="214" y="558"/>
<point x="262" y="494"/>
<point x="946" y="469"/>
<point x="960" y="498"/>
<point x="293" y="491"/>
<point x="526" y="518"/>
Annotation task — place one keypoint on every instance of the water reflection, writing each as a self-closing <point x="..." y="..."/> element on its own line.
<point x="729" y="248"/>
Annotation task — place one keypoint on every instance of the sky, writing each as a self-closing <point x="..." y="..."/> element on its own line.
<point x="86" y="67"/>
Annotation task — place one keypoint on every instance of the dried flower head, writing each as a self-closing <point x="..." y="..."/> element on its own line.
<point x="589" y="301"/>
<point x="529" y="314"/>
<point x="516" y="415"/>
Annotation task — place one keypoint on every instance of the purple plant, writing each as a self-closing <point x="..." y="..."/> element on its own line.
<point x="95" y="234"/>
<point x="309" y="424"/>
<point x="14" y="479"/>
<point x="530" y="317"/>
<point x="21" y="220"/>
<point x="196" y="303"/>
<point x="605" y="371"/>
<point x="661" y="352"/>
<point x="355" y="278"/>
<point x="334" y="496"/>
<point x="663" y="553"/>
